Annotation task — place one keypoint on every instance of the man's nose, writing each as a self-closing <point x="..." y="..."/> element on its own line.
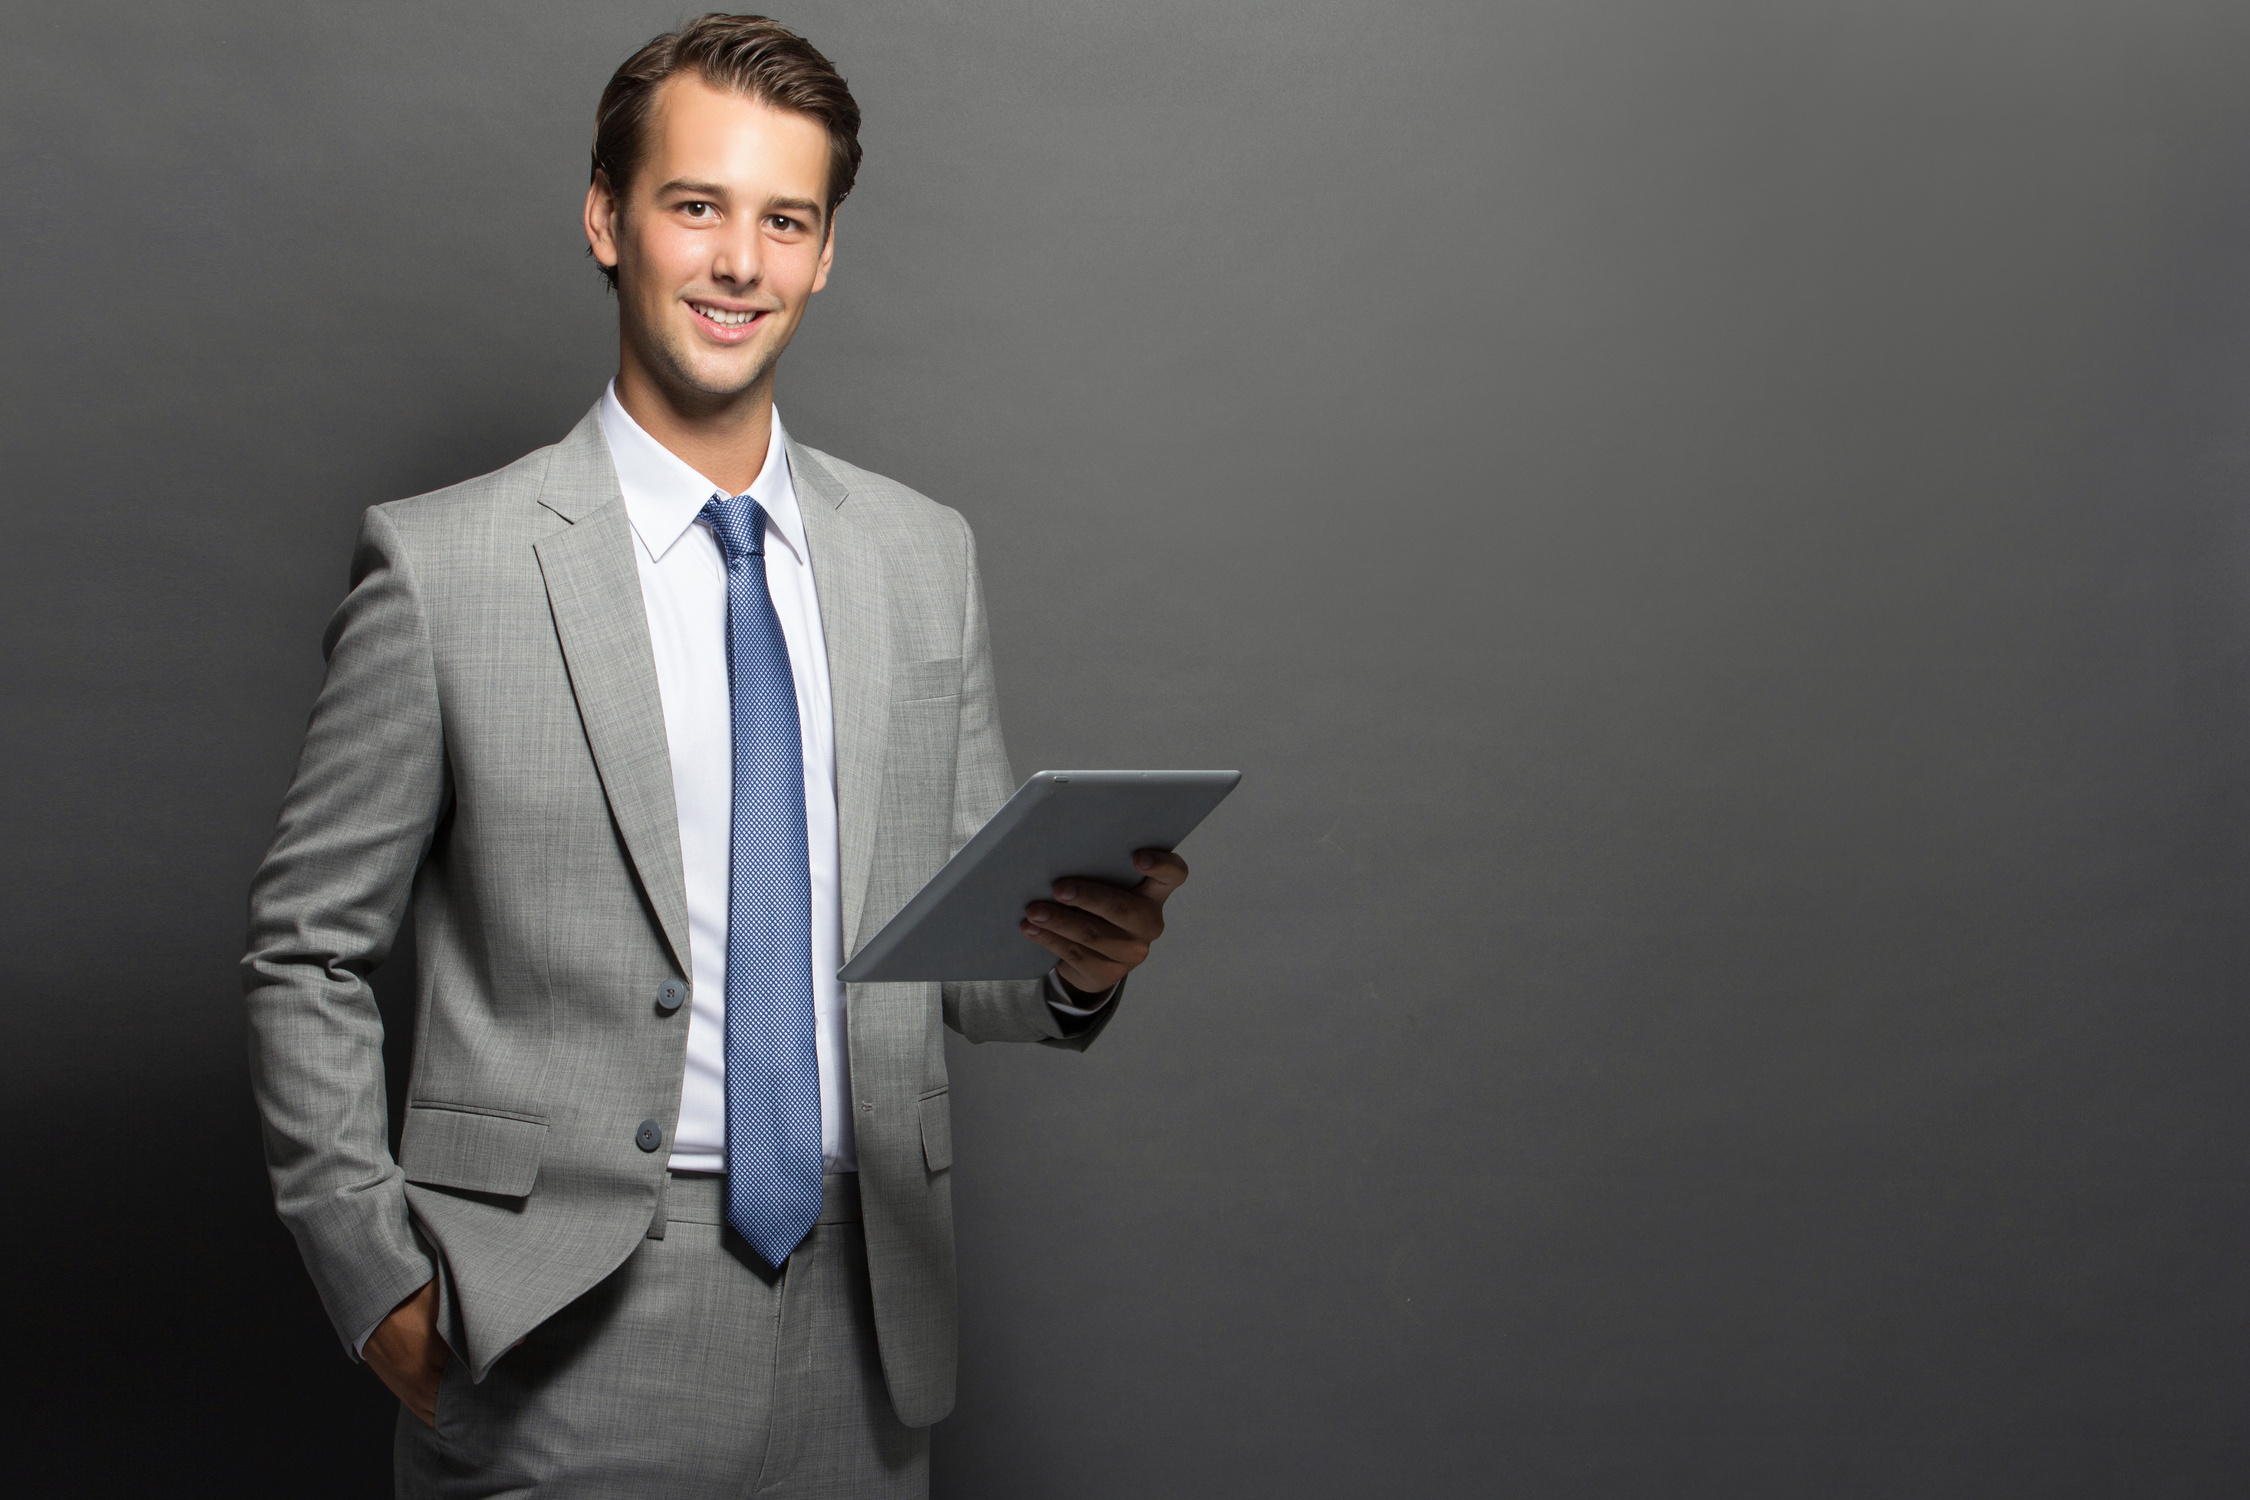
<point x="739" y="256"/>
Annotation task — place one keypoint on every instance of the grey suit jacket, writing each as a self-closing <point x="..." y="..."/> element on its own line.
<point x="489" y="744"/>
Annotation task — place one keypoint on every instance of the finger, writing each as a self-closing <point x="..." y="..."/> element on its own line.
<point x="1081" y="923"/>
<point x="1092" y="932"/>
<point x="1124" y="909"/>
<point x="1082" y="967"/>
<point x="1162" y="873"/>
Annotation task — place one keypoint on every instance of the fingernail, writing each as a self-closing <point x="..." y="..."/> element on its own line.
<point x="1038" y="916"/>
<point x="1066" y="890"/>
<point x="1143" y="862"/>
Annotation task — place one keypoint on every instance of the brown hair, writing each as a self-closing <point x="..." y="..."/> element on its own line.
<point x="753" y="55"/>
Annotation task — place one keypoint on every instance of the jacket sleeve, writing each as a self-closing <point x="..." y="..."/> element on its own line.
<point x="369" y="792"/>
<point x="997" y="1010"/>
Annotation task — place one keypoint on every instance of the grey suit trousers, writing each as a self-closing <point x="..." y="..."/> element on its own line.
<point x="689" y="1371"/>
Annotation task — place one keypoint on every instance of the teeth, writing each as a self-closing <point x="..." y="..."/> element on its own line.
<point x="723" y="315"/>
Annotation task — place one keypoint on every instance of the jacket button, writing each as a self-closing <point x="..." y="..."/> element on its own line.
<point x="670" y="996"/>
<point x="649" y="1136"/>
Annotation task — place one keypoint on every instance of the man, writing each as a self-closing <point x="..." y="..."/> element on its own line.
<point x="653" y="727"/>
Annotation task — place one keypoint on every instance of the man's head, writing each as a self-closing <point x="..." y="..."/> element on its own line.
<point x="720" y="153"/>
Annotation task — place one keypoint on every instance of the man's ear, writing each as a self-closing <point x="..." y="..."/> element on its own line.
<point x="827" y="252"/>
<point x="602" y="220"/>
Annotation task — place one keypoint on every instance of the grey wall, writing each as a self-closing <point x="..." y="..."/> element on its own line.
<point x="1716" y="531"/>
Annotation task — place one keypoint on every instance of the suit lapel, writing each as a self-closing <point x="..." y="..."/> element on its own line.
<point x="848" y="575"/>
<point x="594" y="590"/>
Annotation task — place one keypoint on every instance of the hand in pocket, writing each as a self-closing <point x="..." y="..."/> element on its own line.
<point x="406" y="1353"/>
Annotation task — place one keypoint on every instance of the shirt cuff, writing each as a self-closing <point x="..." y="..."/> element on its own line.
<point x="1059" y="999"/>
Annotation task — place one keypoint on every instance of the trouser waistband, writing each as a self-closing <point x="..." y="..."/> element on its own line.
<point x="701" y="1198"/>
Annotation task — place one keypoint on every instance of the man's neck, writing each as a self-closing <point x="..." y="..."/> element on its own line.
<point x="725" y="442"/>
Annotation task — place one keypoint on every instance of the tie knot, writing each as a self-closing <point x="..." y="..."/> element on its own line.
<point x="740" y="525"/>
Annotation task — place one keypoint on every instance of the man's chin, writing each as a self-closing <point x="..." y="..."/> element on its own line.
<point x="712" y="382"/>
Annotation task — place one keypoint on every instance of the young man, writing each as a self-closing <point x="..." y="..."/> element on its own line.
<point x="653" y="727"/>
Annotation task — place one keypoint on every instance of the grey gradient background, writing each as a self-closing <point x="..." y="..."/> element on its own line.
<point x="1716" y="531"/>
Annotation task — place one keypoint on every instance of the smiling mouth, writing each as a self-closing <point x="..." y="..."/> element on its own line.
<point x="728" y="317"/>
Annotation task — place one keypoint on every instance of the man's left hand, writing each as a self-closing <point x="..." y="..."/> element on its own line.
<point x="1098" y="932"/>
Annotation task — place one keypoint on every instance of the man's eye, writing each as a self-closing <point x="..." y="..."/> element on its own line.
<point x="784" y="222"/>
<point x="696" y="210"/>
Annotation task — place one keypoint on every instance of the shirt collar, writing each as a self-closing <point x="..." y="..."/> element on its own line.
<point x="663" y="496"/>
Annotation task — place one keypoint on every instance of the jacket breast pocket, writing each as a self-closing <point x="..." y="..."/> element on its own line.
<point x="476" y="1150"/>
<point x="915" y="681"/>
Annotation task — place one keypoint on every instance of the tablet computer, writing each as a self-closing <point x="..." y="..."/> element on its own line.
<point x="964" y="923"/>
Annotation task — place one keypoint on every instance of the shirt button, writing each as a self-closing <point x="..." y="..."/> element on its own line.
<point x="670" y="996"/>
<point x="649" y="1136"/>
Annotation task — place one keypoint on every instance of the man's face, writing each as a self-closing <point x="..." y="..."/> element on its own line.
<point x="721" y="240"/>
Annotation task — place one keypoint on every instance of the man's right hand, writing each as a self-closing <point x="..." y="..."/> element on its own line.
<point x="406" y="1352"/>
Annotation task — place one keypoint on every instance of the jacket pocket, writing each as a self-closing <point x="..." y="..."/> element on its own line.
<point x="479" y="1151"/>
<point x="937" y="1130"/>
<point x="916" y="680"/>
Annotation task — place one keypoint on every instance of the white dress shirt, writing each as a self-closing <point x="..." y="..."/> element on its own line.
<point x="684" y="590"/>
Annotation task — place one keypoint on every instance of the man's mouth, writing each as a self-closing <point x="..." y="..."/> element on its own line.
<point x="729" y="318"/>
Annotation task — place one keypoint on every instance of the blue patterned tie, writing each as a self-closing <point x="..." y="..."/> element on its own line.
<point x="773" y="1074"/>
